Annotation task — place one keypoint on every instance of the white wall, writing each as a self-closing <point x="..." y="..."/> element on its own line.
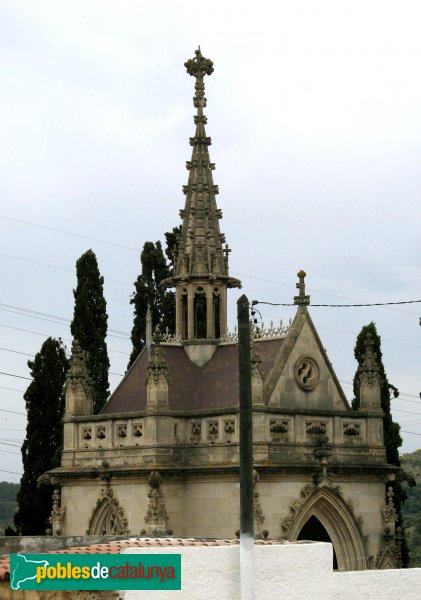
<point x="293" y="571"/>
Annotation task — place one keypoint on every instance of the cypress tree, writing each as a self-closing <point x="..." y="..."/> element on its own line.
<point x="391" y="429"/>
<point x="171" y="242"/>
<point x="44" y="400"/>
<point x="149" y="292"/>
<point x="89" y="325"/>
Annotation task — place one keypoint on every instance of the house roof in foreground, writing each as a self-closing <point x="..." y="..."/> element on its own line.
<point x="115" y="547"/>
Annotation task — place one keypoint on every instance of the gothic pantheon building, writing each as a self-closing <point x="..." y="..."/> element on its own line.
<point x="163" y="455"/>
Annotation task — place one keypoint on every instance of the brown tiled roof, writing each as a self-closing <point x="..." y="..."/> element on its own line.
<point x="213" y="386"/>
<point x="117" y="546"/>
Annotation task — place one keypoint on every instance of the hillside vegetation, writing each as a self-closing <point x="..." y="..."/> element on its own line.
<point x="412" y="507"/>
<point x="8" y="503"/>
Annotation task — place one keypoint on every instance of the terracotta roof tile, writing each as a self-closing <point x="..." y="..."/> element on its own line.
<point x="117" y="546"/>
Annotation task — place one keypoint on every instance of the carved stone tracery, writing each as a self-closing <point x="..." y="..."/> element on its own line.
<point x="57" y="513"/>
<point x="156" y="516"/>
<point x="108" y="516"/>
<point x="258" y="512"/>
<point x="388" y="509"/>
<point x="326" y="502"/>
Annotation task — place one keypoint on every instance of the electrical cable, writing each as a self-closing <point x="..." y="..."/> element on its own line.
<point x="42" y="264"/>
<point x="255" y="302"/>
<point x="84" y="237"/>
<point x="13" y="472"/>
<point x="240" y="274"/>
<point x="27" y="312"/>
<point x="18" y="376"/>
<point x="13" y="412"/>
<point x="46" y="335"/>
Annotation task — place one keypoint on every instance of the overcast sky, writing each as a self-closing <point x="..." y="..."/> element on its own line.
<point x="314" y="113"/>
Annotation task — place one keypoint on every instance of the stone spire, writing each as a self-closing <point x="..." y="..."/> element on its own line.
<point x="201" y="274"/>
<point x="156" y="380"/>
<point x="369" y="377"/>
<point x="78" y="384"/>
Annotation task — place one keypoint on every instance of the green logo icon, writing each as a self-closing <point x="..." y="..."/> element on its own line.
<point x="95" y="572"/>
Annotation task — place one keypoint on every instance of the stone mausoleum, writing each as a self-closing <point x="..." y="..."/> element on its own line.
<point x="162" y="457"/>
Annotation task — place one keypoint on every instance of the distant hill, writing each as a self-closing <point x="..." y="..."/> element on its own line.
<point x="412" y="507"/>
<point x="8" y="504"/>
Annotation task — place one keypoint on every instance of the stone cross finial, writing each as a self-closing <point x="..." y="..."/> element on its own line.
<point x="198" y="67"/>
<point x="301" y="299"/>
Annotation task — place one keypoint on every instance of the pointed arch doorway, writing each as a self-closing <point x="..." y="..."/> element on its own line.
<point x="313" y="530"/>
<point x="332" y="517"/>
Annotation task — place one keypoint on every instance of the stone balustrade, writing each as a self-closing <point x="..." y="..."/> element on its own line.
<point x="271" y="428"/>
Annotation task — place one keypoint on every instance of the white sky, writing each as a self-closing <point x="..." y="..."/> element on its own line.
<point x="314" y="113"/>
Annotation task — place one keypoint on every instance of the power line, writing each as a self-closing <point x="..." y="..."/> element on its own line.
<point x="42" y="264"/>
<point x="18" y="376"/>
<point x="7" y="444"/>
<point x="408" y="412"/>
<point x="311" y="291"/>
<point x="10" y="452"/>
<point x="2" y="387"/>
<point x="15" y="351"/>
<point x="7" y="429"/>
<point x="13" y="472"/>
<point x="255" y="302"/>
<point x="13" y="412"/>
<point x="46" y="335"/>
<point x="351" y="383"/>
<point x="83" y="237"/>
<point x="107" y="242"/>
<point x="46" y="316"/>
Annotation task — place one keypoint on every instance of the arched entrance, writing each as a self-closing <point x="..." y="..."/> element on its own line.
<point x="313" y="530"/>
<point x="334" y="519"/>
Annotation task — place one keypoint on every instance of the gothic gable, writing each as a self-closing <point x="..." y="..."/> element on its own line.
<point x="302" y="375"/>
<point x="108" y="516"/>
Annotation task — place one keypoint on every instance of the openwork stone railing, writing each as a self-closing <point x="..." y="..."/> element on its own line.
<point x="231" y="337"/>
<point x="171" y="338"/>
<point x="141" y="431"/>
<point x="260" y="333"/>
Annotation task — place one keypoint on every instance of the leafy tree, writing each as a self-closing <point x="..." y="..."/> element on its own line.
<point x="392" y="437"/>
<point x="89" y="325"/>
<point x="148" y="291"/>
<point x="44" y="400"/>
<point x="172" y="241"/>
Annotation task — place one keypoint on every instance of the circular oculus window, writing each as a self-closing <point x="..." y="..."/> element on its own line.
<point x="306" y="373"/>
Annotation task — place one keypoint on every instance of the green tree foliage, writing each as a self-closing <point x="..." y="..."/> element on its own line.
<point x="8" y="503"/>
<point x="172" y="239"/>
<point x="89" y="325"/>
<point x="44" y="400"/>
<point x="412" y="508"/>
<point x="148" y="291"/>
<point x="392" y="437"/>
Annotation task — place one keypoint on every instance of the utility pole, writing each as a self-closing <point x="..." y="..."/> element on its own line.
<point x="246" y="451"/>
